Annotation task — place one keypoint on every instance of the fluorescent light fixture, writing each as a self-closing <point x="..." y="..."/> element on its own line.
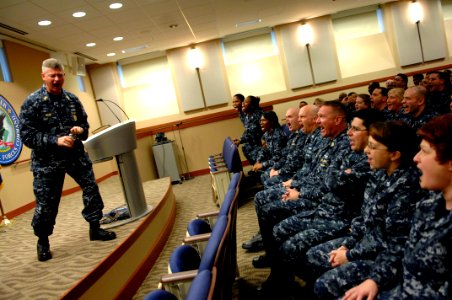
<point x="111" y="54"/>
<point x="90" y="44"/>
<point x="134" y="49"/>
<point x="79" y="14"/>
<point x="44" y="23"/>
<point x="118" y="38"/>
<point x="248" y="23"/>
<point x="115" y="5"/>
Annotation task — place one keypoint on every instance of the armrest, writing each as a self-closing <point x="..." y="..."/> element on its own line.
<point x="178" y="277"/>
<point x="208" y="214"/>
<point x="178" y="283"/>
<point x="197" y="238"/>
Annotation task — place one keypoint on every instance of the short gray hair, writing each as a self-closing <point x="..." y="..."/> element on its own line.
<point x="52" y="63"/>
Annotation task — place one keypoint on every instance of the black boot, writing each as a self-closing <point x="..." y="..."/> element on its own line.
<point x="98" y="234"/>
<point x="44" y="249"/>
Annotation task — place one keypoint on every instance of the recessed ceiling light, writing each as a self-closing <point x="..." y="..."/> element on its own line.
<point x="44" y="23"/>
<point x="90" y="44"/>
<point x="111" y="54"/>
<point x="118" y="38"/>
<point x="115" y="5"/>
<point x="79" y="14"/>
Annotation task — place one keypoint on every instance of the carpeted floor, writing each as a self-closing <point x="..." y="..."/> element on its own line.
<point x="23" y="277"/>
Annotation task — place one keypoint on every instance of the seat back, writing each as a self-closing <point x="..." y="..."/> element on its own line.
<point x="184" y="258"/>
<point x="235" y="180"/>
<point x="216" y="241"/>
<point x="200" y="286"/>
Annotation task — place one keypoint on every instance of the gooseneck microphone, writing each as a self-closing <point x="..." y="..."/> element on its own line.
<point x="109" y="108"/>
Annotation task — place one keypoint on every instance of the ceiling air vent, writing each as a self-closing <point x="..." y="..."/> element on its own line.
<point x="10" y="28"/>
<point x="85" y="56"/>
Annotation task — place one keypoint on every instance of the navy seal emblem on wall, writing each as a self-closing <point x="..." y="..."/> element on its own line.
<point x="10" y="142"/>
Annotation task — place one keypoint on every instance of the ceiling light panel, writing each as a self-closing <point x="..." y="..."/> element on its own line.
<point x="79" y="14"/>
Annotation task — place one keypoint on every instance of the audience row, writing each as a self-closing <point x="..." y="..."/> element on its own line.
<point x="349" y="202"/>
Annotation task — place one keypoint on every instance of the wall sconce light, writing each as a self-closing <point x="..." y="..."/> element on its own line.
<point x="306" y="37"/>
<point x="416" y="14"/>
<point x="195" y="58"/>
<point x="305" y="34"/>
<point x="196" y="61"/>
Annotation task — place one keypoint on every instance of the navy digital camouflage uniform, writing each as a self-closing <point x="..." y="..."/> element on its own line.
<point x="427" y="260"/>
<point x="376" y="240"/>
<point x="314" y="143"/>
<point x="387" y="114"/>
<point x="290" y="162"/>
<point x="251" y="137"/>
<point x="275" y="210"/>
<point x="293" y="236"/>
<point x="438" y="101"/>
<point x="393" y="116"/>
<point x="334" y="212"/>
<point x="275" y="142"/>
<point x="242" y="117"/>
<point x="45" y="117"/>
<point x="417" y="122"/>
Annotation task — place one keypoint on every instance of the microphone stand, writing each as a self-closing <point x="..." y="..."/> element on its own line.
<point x="113" y="113"/>
<point x="183" y="152"/>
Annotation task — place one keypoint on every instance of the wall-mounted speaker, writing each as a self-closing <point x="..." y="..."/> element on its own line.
<point x="78" y="66"/>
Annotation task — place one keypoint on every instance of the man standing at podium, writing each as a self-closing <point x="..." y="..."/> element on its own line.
<point x="53" y="124"/>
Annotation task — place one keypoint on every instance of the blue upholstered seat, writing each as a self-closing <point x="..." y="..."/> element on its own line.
<point x="184" y="258"/>
<point x="199" y="289"/>
<point x="160" y="295"/>
<point x="200" y="226"/>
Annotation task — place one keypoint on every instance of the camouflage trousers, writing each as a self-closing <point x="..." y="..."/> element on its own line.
<point x="270" y="182"/>
<point x="270" y="211"/>
<point x="297" y="234"/>
<point x="251" y="152"/>
<point x="335" y="282"/>
<point x="48" y="185"/>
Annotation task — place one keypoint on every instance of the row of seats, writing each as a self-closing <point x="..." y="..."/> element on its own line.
<point x="221" y="166"/>
<point x="205" y="265"/>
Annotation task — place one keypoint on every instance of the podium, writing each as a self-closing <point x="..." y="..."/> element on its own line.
<point x="119" y="141"/>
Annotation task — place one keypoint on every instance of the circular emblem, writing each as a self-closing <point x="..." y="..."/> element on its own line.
<point x="10" y="142"/>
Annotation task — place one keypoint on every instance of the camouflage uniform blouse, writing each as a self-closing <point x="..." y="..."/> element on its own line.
<point x="275" y="142"/>
<point x="384" y="224"/>
<point x="44" y="118"/>
<point x="253" y="132"/>
<point x="427" y="260"/>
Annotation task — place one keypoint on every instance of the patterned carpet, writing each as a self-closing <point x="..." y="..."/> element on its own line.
<point x="23" y="277"/>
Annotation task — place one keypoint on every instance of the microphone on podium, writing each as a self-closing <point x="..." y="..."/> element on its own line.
<point x="109" y="108"/>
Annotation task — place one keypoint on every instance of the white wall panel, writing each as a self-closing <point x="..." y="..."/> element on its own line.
<point x="213" y="74"/>
<point x="185" y="79"/>
<point x="406" y="34"/>
<point x="322" y="52"/>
